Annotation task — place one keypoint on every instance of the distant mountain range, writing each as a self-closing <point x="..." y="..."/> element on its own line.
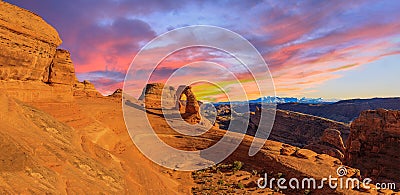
<point x="344" y="110"/>
<point x="284" y="100"/>
<point x="341" y="111"/>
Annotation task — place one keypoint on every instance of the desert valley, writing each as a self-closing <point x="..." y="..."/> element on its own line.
<point x="59" y="135"/>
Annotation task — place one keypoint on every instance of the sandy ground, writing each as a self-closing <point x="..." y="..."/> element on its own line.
<point x="83" y="147"/>
<point x="100" y="121"/>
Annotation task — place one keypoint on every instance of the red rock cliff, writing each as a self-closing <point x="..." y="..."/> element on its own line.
<point x="373" y="144"/>
<point x="32" y="69"/>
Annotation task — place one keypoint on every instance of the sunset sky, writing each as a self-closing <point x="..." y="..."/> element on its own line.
<point x="329" y="49"/>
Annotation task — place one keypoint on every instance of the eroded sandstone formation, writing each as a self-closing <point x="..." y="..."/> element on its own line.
<point x="32" y="69"/>
<point x="330" y="143"/>
<point x="296" y="128"/>
<point x="61" y="70"/>
<point x="85" y="89"/>
<point x="116" y="94"/>
<point x="190" y="110"/>
<point x="373" y="145"/>
<point x="27" y="44"/>
<point x="154" y="93"/>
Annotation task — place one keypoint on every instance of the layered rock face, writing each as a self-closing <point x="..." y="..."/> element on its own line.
<point x="373" y="145"/>
<point x="153" y="93"/>
<point x="330" y="143"/>
<point x="298" y="129"/>
<point x="27" y="44"/>
<point x="61" y="71"/>
<point x="32" y="69"/>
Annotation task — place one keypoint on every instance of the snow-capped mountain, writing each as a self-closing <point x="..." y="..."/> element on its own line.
<point x="283" y="100"/>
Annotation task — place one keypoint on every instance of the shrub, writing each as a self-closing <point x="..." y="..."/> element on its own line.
<point x="240" y="185"/>
<point x="237" y="165"/>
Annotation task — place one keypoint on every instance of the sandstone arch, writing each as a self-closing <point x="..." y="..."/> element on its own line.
<point x="190" y="111"/>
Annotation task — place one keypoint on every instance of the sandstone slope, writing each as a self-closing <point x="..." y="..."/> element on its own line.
<point x="39" y="154"/>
